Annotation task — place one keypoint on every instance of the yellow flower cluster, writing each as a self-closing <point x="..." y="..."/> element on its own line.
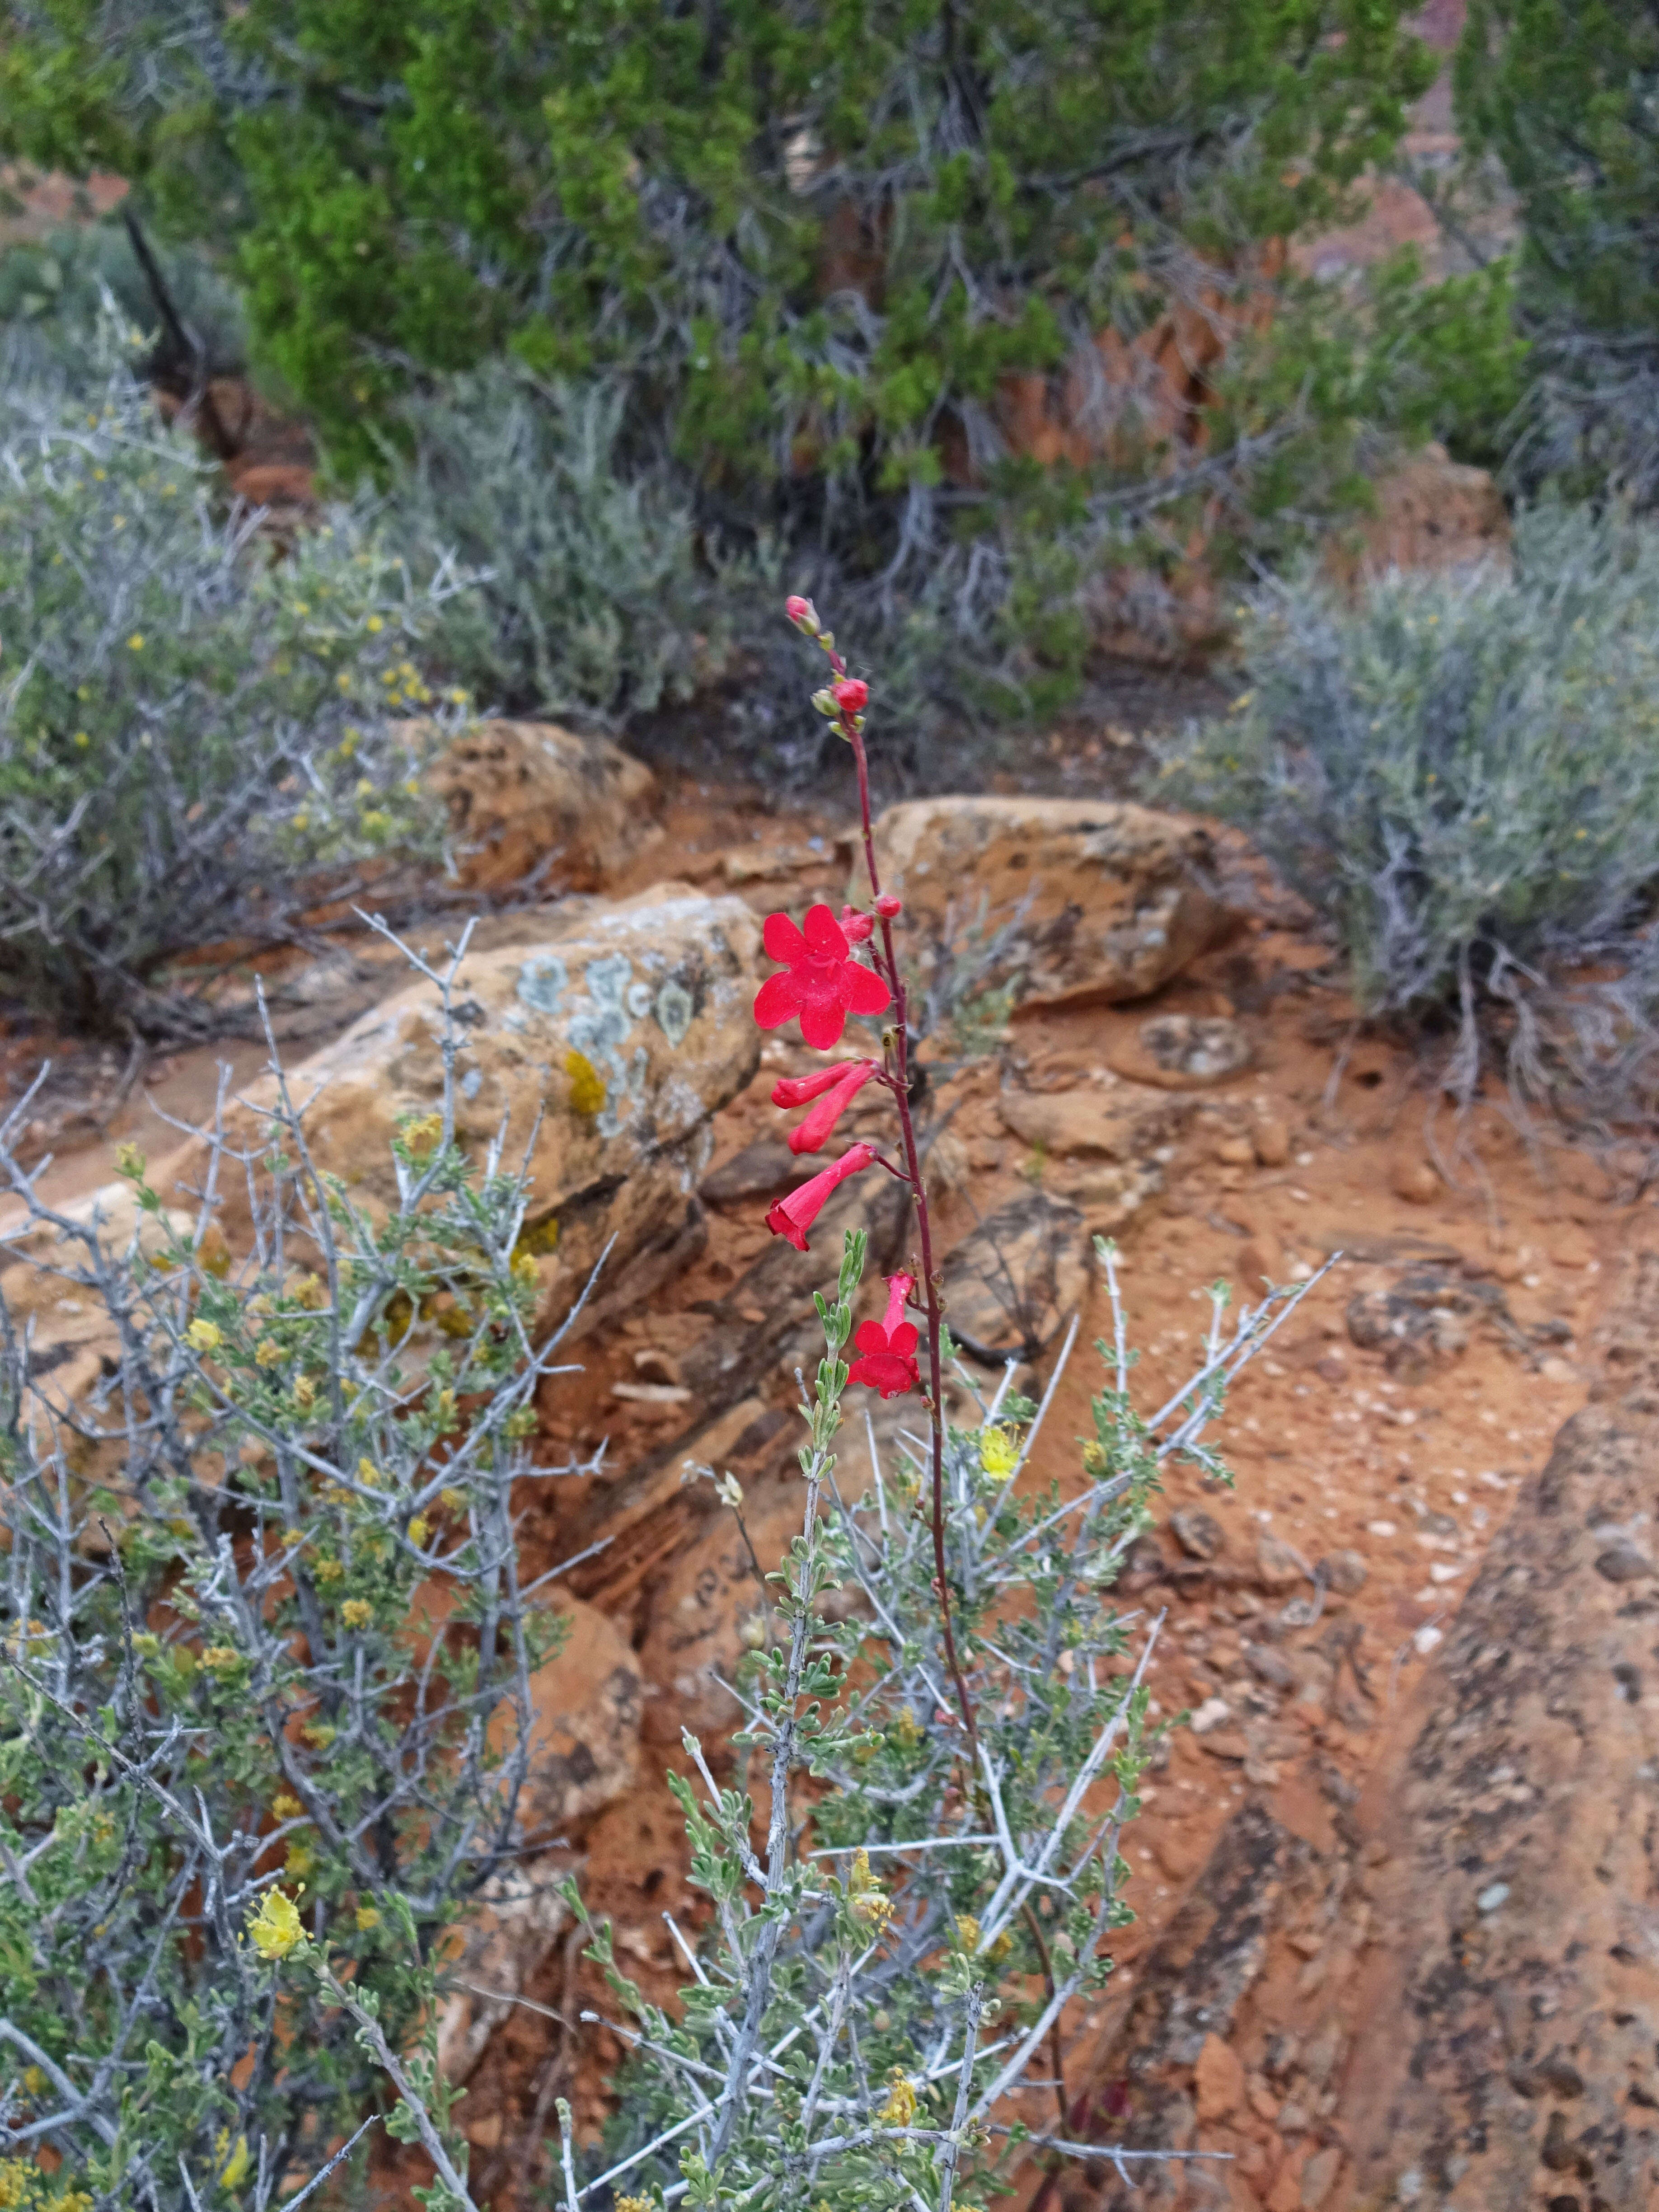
<point x="900" y="2110"/>
<point x="275" y="1928"/>
<point x="869" y="1901"/>
<point x="999" y="1452"/>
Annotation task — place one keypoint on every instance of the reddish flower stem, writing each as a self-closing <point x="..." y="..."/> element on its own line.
<point x="899" y="1083"/>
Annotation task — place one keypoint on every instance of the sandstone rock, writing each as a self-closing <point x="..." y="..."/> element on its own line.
<point x="1124" y="1124"/>
<point x="1108" y="1194"/>
<point x="1111" y="899"/>
<point x="1013" y="1285"/>
<point x="585" y="1726"/>
<point x="1189" y="1052"/>
<point x="1186" y="1992"/>
<point x="709" y="1609"/>
<point x="1431" y="513"/>
<point x="765" y="1168"/>
<point x="1515" y="1909"/>
<point x="529" y="799"/>
<point x="614" y="1033"/>
<point x="1217" y="2082"/>
<point x="493" y="1955"/>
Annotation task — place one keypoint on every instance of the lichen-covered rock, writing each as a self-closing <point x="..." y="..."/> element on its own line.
<point x="1185" y="1051"/>
<point x="529" y="799"/>
<point x="603" y="1043"/>
<point x="1102" y="901"/>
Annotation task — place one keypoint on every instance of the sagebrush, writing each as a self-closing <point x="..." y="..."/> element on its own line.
<point x="201" y="736"/>
<point x="1461" y="770"/>
<point x="593" y="599"/>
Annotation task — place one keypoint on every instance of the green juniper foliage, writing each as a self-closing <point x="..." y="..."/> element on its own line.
<point x="264" y="1665"/>
<point x="195" y="736"/>
<point x="830" y="258"/>
<point x="1562" y="95"/>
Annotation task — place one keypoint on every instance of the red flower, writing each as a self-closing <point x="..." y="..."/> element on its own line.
<point x="823" y="983"/>
<point x="793" y="1216"/>
<point x="887" y="906"/>
<point x="850" y="694"/>
<point x="856" y="926"/>
<point x="813" y="1133"/>
<point x="796" y="1090"/>
<point x="887" y="1348"/>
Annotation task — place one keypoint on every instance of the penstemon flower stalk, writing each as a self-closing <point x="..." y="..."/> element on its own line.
<point x="823" y="983"/>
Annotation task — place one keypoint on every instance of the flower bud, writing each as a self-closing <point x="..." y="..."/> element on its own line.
<point x="802" y="613"/>
<point x="850" y="694"/>
<point x="825" y="704"/>
<point x="887" y="906"/>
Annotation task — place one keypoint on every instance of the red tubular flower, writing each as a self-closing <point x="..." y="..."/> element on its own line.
<point x="793" y="1216"/>
<point x="856" y="926"/>
<point x="823" y="983"/>
<point x="813" y="1132"/>
<point x="796" y="1090"/>
<point x="887" y="1348"/>
<point x="887" y="906"/>
<point x="850" y="694"/>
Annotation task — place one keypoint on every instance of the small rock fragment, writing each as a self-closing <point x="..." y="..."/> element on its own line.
<point x="1187" y="1052"/>
<point x="1623" y="1563"/>
<point x="1199" y="1534"/>
<point x="1236" y="1152"/>
<point x="1218" y="2081"/>
<point x="1343" y="1571"/>
<point x="1319" y="2177"/>
<point x="1212" y="1714"/>
<point x="1269" y="1666"/>
<point x="1415" y="1181"/>
<point x="1277" y="1567"/>
<point x="1272" y="1140"/>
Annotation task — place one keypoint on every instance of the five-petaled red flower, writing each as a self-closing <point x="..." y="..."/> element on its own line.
<point x="793" y="1216"/>
<point x="887" y="1348"/>
<point x="821" y="982"/>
